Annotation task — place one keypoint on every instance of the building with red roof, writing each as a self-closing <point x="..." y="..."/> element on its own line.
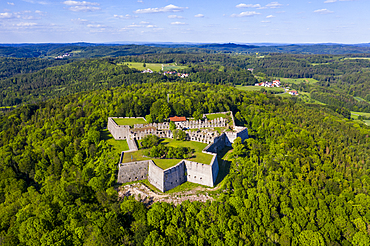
<point x="178" y="119"/>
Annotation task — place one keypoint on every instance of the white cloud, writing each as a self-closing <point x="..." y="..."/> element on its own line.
<point x="81" y="6"/>
<point x="199" y="16"/>
<point x="333" y="1"/>
<point x="175" y="17"/>
<point x="246" y="14"/>
<point x="178" y="23"/>
<point x="323" y="11"/>
<point x="95" y="26"/>
<point x="168" y="8"/>
<point x="151" y="26"/>
<point x="26" y="24"/>
<point x="6" y="15"/>
<point x="80" y="21"/>
<point x="139" y="1"/>
<point x="10" y="3"/>
<point x="243" y="5"/>
<point x="274" y="5"/>
<point x="264" y="21"/>
<point x="270" y="16"/>
<point x="77" y="3"/>
<point x="124" y="16"/>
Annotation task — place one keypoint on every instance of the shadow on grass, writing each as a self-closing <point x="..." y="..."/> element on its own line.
<point x="105" y="135"/>
<point x="224" y="164"/>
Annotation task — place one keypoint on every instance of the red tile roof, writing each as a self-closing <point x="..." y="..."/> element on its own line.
<point x="178" y="119"/>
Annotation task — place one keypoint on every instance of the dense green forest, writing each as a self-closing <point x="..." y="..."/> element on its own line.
<point x="92" y="74"/>
<point x="298" y="179"/>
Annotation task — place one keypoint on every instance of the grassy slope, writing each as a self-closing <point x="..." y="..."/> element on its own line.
<point x="214" y="116"/>
<point x="118" y="145"/>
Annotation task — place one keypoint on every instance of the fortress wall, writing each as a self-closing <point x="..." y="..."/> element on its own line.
<point x="132" y="171"/>
<point x="118" y="132"/>
<point x="174" y="176"/>
<point x="199" y="173"/>
<point x="215" y="168"/>
<point x="243" y="133"/>
<point x="217" y="145"/>
<point x="156" y="176"/>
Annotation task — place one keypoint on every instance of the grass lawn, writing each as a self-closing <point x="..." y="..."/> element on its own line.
<point x="198" y="147"/>
<point x="360" y="99"/>
<point x="214" y="116"/>
<point x="355" y="116"/>
<point x="298" y="81"/>
<point x="131" y="122"/>
<point x="258" y="88"/>
<point x="167" y="163"/>
<point x="118" y="145"/>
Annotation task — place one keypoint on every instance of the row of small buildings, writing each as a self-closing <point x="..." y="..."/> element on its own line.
<point x="275" y="83"/>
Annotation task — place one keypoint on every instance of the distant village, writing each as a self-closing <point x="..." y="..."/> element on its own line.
<point x="63" y="56"/>
<point x="182" y="75"/>
<point x="276" y="83"/>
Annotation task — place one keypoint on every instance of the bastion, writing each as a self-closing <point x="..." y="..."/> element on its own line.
<point x="185" y="170"/>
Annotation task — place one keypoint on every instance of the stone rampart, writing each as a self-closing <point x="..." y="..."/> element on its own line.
<point x="132" y="171"/>
<point x="174" y="176"/>
<point x="199" y="173"/>
<point x="156" y="176"/>
<point x="118" y="132"/>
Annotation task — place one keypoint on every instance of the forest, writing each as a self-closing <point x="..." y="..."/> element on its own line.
<point x="297" y="179"/>
<point x="301" y="178"/>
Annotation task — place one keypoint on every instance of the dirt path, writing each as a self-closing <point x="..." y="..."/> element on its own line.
<point x="148" y="197"/>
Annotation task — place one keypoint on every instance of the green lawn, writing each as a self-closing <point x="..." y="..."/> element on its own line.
<point x="131" y="122"/>
<point x="118" y="145"/>
<point x="355" y="115"/>
<point x="214" y="116"/>
<point x="258" y="88"/>
<point x="298" y="81"/>
<point x="156" y="67"/>
<point x="360" y="99"/>
<point x="166" y="163"/>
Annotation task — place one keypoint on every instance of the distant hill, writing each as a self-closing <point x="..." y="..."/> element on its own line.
<point x="91" y="50"/>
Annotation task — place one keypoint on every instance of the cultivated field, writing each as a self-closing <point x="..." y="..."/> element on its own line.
<point x="156" y="67"/>
<point x="258" y="88"/>
<point x="298" y="81"/>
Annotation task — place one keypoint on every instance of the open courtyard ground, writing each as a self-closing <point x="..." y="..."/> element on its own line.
<point x="198" y="156"/>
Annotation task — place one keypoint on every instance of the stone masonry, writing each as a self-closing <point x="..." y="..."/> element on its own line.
<point x="185" y="170"/>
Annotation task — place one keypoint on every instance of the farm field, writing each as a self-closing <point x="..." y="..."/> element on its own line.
<point x="258" y="88"/>
<point x="156" y="67"/>
<point x="129" y="121"/>
<point x="298" y="81"/>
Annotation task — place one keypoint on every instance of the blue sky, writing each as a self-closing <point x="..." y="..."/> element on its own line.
<point x="315" y="21"/>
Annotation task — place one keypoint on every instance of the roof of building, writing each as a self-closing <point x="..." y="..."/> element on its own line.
<point x="178" y="119"/>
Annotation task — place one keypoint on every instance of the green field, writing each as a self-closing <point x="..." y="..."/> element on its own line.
<point x="156" y="67"/>
<point x="198" y="156"/>
<point x="118" y="145"/>
<point x="258" y="88"/>
<point x="298" y="81"/>
<point x="355" y="116"/>
<point x="215" y="116"/>
<point x="129" y="121"/>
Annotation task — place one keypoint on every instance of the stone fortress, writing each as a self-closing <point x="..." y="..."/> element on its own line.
<point x="185" y="170"/>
